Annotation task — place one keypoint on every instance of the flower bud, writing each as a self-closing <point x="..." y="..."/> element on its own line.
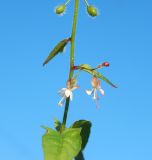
<point x="92" y="11"/>
<point x="60" y="9"/>
<point x="95" y="82"/>
<point x="106" y="64"/>
<point x="71" y="83"/>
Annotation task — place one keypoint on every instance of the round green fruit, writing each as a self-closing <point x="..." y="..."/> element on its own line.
<point x="60" y="9"/>
<point x="92" y="11"/>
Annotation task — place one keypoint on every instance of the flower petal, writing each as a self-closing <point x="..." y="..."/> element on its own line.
<point x="71" y="96"/>
<point x="61" y="92"/>
<point x="60" y="104"/>
<point x="89" y="92"/>
<point x="101" y="91"/>
<point x="62" y="101"/>
<point x="68" y="93"/>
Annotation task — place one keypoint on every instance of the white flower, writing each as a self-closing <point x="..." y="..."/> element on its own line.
<point x="96" y="87"/>
<point x="67" y="92"/>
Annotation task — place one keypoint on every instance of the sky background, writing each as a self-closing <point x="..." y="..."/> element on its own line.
<point x="121" y="35"/>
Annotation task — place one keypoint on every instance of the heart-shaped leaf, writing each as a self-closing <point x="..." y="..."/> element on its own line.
<point x="90" y="70"/>
<point x="61" y="146"/>
<point x="58" y="48"/>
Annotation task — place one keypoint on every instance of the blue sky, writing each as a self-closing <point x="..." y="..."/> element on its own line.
<point x="122" y="35"/>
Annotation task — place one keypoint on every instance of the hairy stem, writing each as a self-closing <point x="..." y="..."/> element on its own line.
<point x="71" y="57"/>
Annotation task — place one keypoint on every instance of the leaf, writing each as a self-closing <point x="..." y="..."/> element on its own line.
<point x="57" y="124"/>
<point x="85" y="131"/>
<point x="85" y="67"/>
<point x="57" y="49"/>
<point x="61" y="146"/>
<point x="90" y="70"/>
<point x="99" y="75"/>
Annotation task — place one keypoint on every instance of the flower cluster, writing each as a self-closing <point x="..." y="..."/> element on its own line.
<point x="72" y="85"/>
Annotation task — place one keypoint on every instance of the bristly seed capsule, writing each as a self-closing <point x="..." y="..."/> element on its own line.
<point x="60" y="9"/>
<point x="92" y="11"/>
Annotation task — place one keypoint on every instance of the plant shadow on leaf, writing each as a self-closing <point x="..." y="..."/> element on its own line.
<point x="85" y="134"/>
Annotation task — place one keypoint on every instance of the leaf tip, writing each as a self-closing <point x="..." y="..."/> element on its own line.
<point x="114" y="86"/>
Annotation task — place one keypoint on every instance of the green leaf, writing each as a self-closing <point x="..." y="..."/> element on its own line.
<point x="61" y="146"/>
<point x="57" y="124"/>
<point x="85" y="131"/>
<point x="86" y="67"/>
<point x="90" y="70"/>
<point x="99" y="75"/>
<point x="58" y="48"/>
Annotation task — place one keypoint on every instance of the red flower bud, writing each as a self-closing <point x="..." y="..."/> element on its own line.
<point x="106" y="64"/>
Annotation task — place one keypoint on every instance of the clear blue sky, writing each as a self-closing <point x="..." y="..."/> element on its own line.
<point x="122" y="35"/>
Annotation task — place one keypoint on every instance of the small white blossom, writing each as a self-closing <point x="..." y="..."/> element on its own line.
<point x="67" y="92"/>
<point x="95" y="87"/>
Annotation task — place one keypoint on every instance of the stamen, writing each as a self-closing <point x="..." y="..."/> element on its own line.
<point x="95" y="94"/>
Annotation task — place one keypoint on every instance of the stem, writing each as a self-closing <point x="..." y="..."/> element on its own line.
<point x="66" y="112"/>
<point x="71" y="58"/>
<point x="86" y="2"/>
<point x="68" y="1"/>
<point x="73" y="37"/>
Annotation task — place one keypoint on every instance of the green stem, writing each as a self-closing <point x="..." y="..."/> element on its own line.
<point x="73" y="38"/>
<point x="71" y="58"/>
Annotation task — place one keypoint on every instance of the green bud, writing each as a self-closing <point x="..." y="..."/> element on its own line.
<point x="60" y="9"/>
<point x="92" y="11"/>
